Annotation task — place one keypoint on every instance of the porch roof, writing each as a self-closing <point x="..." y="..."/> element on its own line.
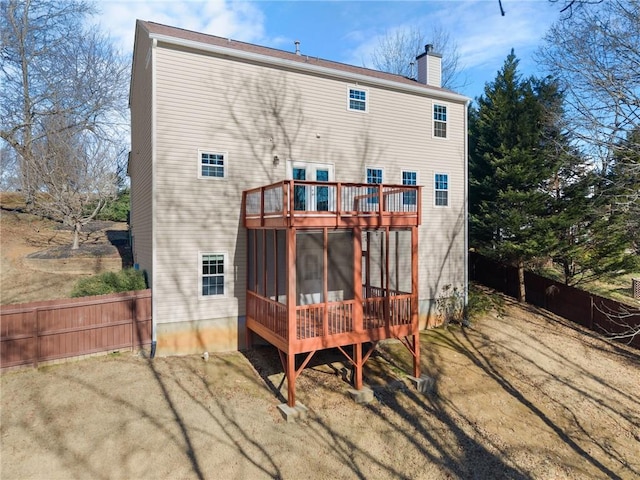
<point x="296" y="203"/>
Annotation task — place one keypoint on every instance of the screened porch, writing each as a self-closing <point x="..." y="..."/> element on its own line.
<point x="334" y="277"/>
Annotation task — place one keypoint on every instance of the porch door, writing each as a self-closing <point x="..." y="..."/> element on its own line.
<point x="312" y="197"/>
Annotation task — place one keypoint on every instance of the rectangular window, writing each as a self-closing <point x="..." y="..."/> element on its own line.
<point x="212" y="164"/>
<point x="374" y="175"/>
<point x="409" y="178"/>
<point x="212" y="274"/>
<point x="357" y="99"/>
<point x="440" y="121"/>
<point x="442" y="190"/>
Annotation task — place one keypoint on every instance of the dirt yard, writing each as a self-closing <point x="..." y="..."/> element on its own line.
<point x="520" y="395"/>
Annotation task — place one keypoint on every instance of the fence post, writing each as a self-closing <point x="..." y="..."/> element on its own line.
<point x="36" y="337"/>
<point x="134" y="324"/>
<point x="591" y="312"/>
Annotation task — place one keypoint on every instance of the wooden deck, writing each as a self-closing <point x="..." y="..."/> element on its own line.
<point x="331" y="324"/>
<point x="295" y="203"/>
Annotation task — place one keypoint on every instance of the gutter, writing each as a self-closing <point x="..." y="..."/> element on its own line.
<point x="305" y="67"/>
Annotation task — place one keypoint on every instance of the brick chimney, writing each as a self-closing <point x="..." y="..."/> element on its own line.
<point x="430" y="67"/>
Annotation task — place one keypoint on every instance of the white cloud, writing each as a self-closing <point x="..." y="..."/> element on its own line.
<point x="238" y="20"/>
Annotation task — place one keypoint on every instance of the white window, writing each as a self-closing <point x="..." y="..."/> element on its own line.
<point x="441" y="189"/>
<point x="212" y="164"/>
<point x="358" y="99"/>
<point x="409" y="178"/>
<point x="439" y="121"/>
<point x="374" y="175"/>
<point x="212" y="268"/>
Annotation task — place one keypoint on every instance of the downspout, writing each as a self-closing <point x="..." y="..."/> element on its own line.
<point x="466" y="214"/>
<point x="154" y="313"/>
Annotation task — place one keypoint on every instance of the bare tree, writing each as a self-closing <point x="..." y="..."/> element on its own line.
<point x="625" y="322"/>
<point x="396" y="52"/>
<point x="9" y="180"/>
<point x="595" y="53"/>
<point x="63" y="89"/>
<point x="77" y="174"/>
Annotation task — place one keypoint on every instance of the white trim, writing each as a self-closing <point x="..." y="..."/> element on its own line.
<point x="433" y="121"/>
<point x="366" y="98"/>
<point x="225" y="163"/>
<point x="225" y="276"/>
<point x="281" y="62"/>
<point x="448" y="190"/>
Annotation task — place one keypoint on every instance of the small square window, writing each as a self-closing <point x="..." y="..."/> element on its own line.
<point x="358" y="99"/>
<point x="212" y="164"/>
<point x="441" y="190"/>
<point x="212" y="274"/>
<point x="409" y="178"/>
<point x="440" y="121"/>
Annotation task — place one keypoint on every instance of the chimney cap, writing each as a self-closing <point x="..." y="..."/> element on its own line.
<point x="428" y="48"/>
<point x="297" y="43"/>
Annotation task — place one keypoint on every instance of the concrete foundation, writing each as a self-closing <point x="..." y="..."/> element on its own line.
<point x="424" y="384"/>
<point x="291" y="414"/>
<point x="364" y="395"/>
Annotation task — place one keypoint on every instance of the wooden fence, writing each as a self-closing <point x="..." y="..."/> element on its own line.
<point x="597" y="313"/>
<point x="42" y="331"/>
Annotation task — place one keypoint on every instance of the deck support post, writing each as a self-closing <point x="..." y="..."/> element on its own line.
<point x="415" y="305"/>
<point x="357" y="360"/>
<point x="416" y="355"/>
<point x="291" y="379"/>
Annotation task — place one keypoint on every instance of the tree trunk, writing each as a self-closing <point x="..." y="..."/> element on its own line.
<point x="76" y="236"/>
<point x="521" y="290"/>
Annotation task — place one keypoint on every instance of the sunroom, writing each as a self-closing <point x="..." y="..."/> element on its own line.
<point x="332" y="265"/>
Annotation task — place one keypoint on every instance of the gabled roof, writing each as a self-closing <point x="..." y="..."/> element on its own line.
<point x="164" y="33"/>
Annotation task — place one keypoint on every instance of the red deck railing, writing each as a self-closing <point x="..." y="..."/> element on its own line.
<point x="332" y="318"/>
<point x="302" y="203"/>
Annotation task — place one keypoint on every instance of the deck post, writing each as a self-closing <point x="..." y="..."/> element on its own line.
<point x="358" y="365"/>
<point x="291" y="317"/>
<point x="415" y="306"/>
<point x="291" y="379"/>
<point x="416" y="355"/>
<point x="358" y="321"/>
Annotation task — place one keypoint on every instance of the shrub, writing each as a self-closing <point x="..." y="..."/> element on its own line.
<point x="450" y="305"/>
<point x="482" y="301"/>
<point x="118" y="209"/>
<point x="110" y="282"/>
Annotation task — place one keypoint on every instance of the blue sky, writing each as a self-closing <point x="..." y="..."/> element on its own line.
<point x="349" y="31"/>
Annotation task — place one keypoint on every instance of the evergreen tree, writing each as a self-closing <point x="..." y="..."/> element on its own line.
<point x="510" y="170"/>
<point x="623" y="187"/>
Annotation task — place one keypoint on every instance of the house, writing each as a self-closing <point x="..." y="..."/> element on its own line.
<point x="278" y="195"/>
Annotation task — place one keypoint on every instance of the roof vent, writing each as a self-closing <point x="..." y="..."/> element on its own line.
<point x="297" y="42"/>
